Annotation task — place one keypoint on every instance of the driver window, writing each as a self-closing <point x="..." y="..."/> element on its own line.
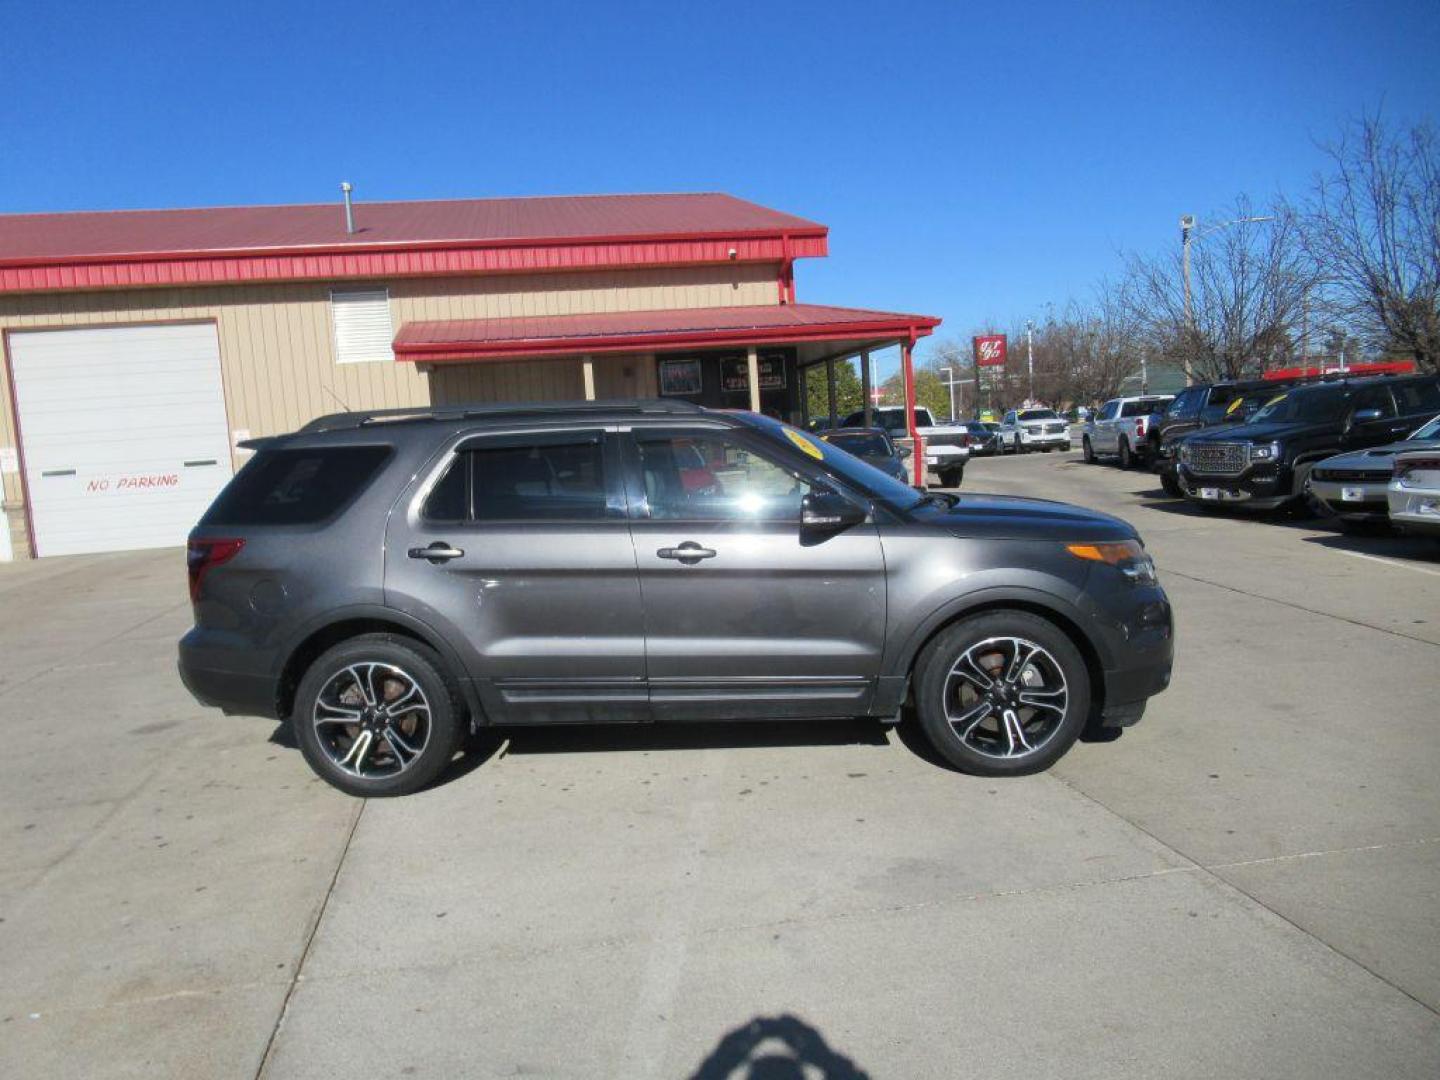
<point x="712" y="477"/>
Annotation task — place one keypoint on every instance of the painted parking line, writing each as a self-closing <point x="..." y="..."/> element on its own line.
<point x="1392" y="562"/>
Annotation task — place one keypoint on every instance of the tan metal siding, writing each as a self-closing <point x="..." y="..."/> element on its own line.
<point x="277" y="356"/>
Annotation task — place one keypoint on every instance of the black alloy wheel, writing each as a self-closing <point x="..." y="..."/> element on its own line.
<point x="1003" y="693"/>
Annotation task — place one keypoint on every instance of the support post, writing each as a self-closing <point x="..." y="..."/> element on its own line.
<point x="588" y="368"/>
<point x="865" y="387"/>
<point x="907" y="365"/>
<point x="830" y="390"/>
<point x="752" y="372"/>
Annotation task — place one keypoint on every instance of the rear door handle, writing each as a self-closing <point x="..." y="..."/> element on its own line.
<point x="688" y="553"/>
<point x="437" y="553"/>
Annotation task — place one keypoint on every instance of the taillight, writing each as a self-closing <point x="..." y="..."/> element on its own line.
<point x="1140" y="427"/>
<point x="201" y="555"/>
<point x="964" y="440"/>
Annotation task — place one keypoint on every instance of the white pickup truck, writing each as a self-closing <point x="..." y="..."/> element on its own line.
<point x="1033" y="429"/>
<point x="947" y="446"/>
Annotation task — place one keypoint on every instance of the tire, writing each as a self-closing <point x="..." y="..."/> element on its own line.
<point x="1087" y="450"/>
<point x="952" y="478"/>
<point x="358" y="675"/>
<point x="1306" y="503"/>
<point x="1046" y="449"/>
<point x="1127" y="458"/>
<point x="986" y="744"/>
<point x="1171" y="485"/>
<point x="1019" y="448"/>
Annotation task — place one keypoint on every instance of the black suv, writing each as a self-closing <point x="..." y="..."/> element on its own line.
<point x="1198" y="407"/>
<point x="1265" y="463"/>
<point x="387" y="581"/>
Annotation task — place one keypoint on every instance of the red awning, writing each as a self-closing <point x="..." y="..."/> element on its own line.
<point x="648" y="331"/>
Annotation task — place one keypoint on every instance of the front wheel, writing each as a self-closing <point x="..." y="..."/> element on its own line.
<point x="1171" y="485"/>
<point x="1004" y="693"/>
<point x="378" y="715"/>
<point x="1019" y="449"/>
<point x="1087" y="450"/>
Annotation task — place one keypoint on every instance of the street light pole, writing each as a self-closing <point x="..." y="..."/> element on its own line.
<point x="1030" y="355"/>
<point x="1187" y="226"/>
<point x="950" y="382"/>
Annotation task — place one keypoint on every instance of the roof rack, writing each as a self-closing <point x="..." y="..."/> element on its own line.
<point x="349" y="421"/>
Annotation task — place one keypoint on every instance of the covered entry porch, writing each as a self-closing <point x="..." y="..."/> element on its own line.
<point x="726" y="357"/>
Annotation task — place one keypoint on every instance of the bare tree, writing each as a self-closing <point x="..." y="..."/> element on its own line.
<point x="1093" y="349"/>
<point x="1249" y="276"/>
<point x="1373" y="226"/>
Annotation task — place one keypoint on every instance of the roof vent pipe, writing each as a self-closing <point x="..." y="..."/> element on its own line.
<point x="349" y="210"/>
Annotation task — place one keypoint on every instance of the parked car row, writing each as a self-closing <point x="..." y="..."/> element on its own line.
<point x="948" y="446"/>
<point x="1365" y="450"/>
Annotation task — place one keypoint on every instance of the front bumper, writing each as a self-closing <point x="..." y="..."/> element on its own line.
<point x="1415" y="510"/>
<point x="1031" y="438"/>
<point x="1259" y="487"/>
<point x="1134" y="630"/>
<point x="1354" y="501"/>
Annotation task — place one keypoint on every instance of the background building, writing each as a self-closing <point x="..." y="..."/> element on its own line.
<point x="140" y="347"/>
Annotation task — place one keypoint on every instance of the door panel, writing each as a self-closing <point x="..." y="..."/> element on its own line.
<point x="544" y="598"/>
<point x="766" y="619"/>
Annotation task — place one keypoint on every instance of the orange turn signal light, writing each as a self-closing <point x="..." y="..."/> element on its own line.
<point x="1114" y="554"/>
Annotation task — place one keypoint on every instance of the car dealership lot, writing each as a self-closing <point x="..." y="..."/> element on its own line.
<point x="1246" y="884"/>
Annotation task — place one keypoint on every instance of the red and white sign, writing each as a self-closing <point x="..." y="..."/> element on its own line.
<point x="989" y="350"/>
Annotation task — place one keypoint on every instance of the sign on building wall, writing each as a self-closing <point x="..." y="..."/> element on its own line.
<point x="735" y="372"/>
<point x="680" y="377"/>
<point x="989" y="350"/>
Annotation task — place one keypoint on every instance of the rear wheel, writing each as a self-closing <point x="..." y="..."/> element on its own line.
<point x="1127" y="458"/>
<point x="952" y="477"/>
<point x="1087" y="450"/>
<point x="1003" y="693"/>
<point x="378" y="715"/>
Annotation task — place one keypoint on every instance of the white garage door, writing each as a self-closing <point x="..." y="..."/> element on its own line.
<point x="124" y="434"/>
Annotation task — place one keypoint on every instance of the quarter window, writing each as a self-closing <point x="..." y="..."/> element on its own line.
<point x="540" y="482"/>
<point x="1418" y="397"/>
<point x="706" y="477"/>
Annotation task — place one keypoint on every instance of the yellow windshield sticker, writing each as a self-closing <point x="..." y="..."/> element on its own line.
<point x="1235" y="405"/>
<point x="804" y="443"/>
<point x="1276" y="399"/>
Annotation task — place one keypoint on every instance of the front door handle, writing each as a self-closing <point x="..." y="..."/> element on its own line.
<point x="437" y="553"/>
<point x="688" y="553"/>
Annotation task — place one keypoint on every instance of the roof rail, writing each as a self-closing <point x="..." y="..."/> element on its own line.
<point x="349" y="421"/>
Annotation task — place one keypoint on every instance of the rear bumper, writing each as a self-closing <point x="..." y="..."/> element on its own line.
<point x="224" y="677"/>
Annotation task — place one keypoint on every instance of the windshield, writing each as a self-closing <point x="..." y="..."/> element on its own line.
<point x="860" y="442"/>
<point x="847" y="466"/>
<point x="1428" y="431"/>
<point x="1311" y="405"/>
<point x="1039" y="414"/>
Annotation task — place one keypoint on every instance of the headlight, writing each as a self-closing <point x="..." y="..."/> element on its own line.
<point x="1127" y="556"/>
<point x="1264" y="452"/>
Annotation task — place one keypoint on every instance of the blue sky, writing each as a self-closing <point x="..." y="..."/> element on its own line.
<point x="975" y="162"/>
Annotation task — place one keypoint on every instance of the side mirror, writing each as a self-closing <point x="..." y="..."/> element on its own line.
<point x="830" y="510"/>
<point x="905" y="452"/>
<point x="1365" y="416"/>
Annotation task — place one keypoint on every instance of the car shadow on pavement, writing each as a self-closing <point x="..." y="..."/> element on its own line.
<point x="1382" y="543"/>
<point x="776" y="1048"/>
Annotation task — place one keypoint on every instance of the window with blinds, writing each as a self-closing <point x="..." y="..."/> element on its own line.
<point x="363" y="331"/>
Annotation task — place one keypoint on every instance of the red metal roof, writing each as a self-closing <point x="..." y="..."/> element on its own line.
<point x="628" y="331"/>
<point x="123" y="248"/>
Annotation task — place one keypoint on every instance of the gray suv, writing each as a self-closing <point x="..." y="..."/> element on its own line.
<point x="390" y="581"/>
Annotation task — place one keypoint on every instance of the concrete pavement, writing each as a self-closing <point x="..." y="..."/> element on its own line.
<point x="1246" y="884"/>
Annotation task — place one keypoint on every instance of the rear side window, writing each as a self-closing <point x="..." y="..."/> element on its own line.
<point x="296" y="487"/>
<point x="1143" y="407"/>
<point x="1415" y="398"/>
<point x="544" y="482"/>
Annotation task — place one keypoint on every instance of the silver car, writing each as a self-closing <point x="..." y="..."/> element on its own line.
<point x="1355" y="487"/>
<point x="1414" y="491"/>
